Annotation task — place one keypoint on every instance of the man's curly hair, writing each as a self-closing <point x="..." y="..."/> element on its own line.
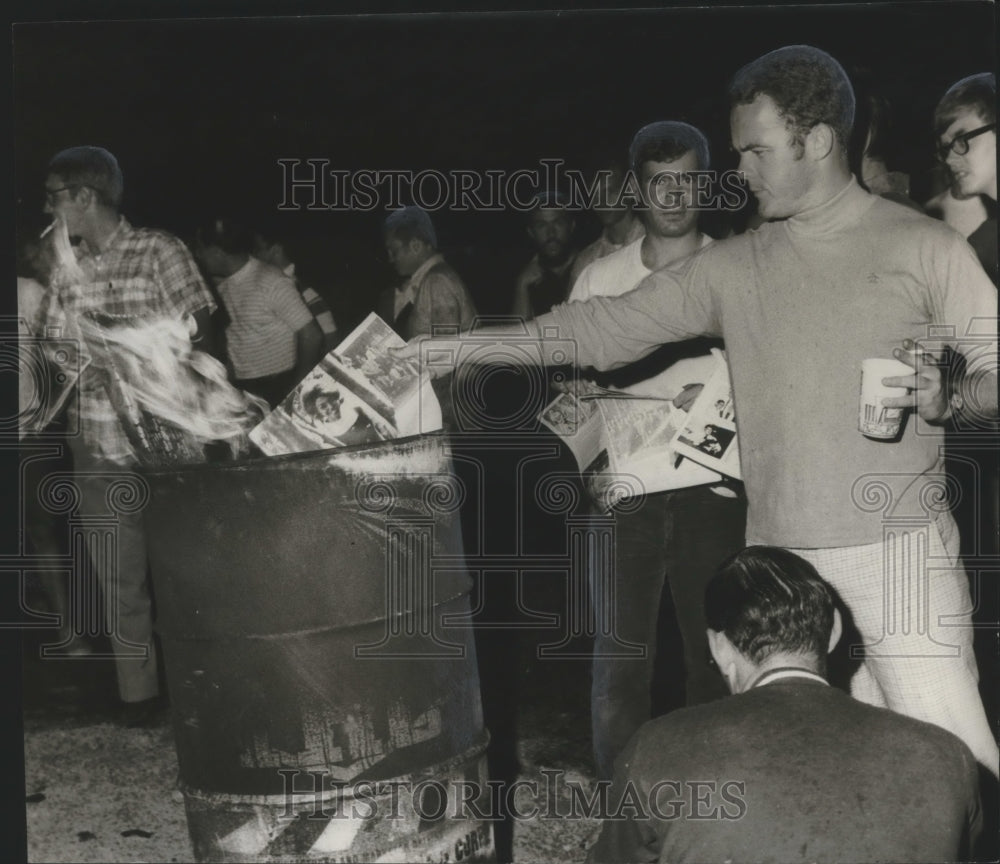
<point x="807" y="85"/>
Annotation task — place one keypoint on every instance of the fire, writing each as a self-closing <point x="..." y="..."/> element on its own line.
<point x="159" y="371"/>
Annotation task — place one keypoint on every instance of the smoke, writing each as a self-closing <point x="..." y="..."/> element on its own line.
<point x="160" y="372"/>
<point x="152" y="364"/>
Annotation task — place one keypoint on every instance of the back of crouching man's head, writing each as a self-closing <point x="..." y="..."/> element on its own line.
<point x="773" y="608"/>
<point x="92" y="167"/>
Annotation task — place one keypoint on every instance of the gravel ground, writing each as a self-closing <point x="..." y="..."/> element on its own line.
<point x="96" y="792"/>
<point x="99" y="793"/>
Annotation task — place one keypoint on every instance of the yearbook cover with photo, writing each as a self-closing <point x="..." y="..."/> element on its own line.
<point x="358" y="393"/>
<point x="708" y="434"/>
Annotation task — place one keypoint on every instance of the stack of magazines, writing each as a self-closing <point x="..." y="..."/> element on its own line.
<point x="359" y="393"/>
<point x="627" y="443"/>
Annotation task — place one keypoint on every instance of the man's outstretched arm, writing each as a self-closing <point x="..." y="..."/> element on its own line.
<point x="604" y="332"/>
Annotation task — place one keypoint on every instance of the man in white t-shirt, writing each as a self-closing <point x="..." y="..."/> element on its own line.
<point x="678" y="536"/>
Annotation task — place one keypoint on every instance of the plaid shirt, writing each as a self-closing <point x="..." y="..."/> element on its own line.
<point x="141" y="273"/>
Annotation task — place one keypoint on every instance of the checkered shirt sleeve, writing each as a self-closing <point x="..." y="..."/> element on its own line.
<point x="142" y="273"/>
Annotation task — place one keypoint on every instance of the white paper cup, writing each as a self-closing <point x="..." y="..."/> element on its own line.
<point x="875" y="420"/>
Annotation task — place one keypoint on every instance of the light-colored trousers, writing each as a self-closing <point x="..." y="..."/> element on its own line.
<point x="909" y="597"/>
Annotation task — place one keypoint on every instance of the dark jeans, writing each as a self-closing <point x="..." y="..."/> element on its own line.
<point x="679" y="537"/>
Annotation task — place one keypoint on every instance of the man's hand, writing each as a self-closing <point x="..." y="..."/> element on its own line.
<point x="436" y="359"/>
<point x="684" y="399"/>
<point x="67" y="270"/>
<point x="410" y="351"/>
<point x="575" y="386"/>
<point x="928" y="385"/>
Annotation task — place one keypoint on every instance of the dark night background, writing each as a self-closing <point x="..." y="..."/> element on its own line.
<point x="199" y="109"/>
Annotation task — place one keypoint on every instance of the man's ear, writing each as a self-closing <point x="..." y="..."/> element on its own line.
<point x="715" y="645"/>
<point x="820" y="141"/>
<point x="724" y="655"/>
<point x="835" y="631"/>
<point x="85" y="196"/>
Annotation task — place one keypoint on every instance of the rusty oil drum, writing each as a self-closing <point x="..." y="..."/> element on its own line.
<point x="313" y="611"/>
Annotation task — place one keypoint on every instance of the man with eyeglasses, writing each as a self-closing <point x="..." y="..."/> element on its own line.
<point x="133" y="273"/>
<point x="965" y="126"/>
<point x="836" y="276"/>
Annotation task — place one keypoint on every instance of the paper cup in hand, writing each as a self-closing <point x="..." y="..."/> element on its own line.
<point x="875" y="420"/>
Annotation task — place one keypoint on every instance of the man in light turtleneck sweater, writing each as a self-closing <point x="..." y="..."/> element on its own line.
<point x="837" y="276"/>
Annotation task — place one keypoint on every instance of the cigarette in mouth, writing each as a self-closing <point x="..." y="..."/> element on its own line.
<point x="46" y="231"/>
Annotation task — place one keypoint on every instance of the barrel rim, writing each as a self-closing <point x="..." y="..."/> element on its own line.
<point x="282" y="459"/>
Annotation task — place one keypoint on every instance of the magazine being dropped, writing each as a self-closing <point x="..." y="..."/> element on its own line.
<point x="358" y="393"/>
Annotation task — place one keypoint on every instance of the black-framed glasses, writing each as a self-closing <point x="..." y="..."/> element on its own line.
<point x="51" y="194"/>
<point x="960" y="143"/>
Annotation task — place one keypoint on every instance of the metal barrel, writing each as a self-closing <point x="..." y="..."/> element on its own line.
<point x="313" y="612"/>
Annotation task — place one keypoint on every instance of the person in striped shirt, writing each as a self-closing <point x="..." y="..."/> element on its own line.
<point x="273" y="247"/>
<point x="272" y="339"/>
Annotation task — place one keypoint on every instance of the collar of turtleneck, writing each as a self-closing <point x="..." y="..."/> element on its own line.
<point x="841" y="211"/>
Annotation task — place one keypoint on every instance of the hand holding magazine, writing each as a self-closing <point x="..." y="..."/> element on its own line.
<point x="623" y="440"/>
<point x="358" y="393"/>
